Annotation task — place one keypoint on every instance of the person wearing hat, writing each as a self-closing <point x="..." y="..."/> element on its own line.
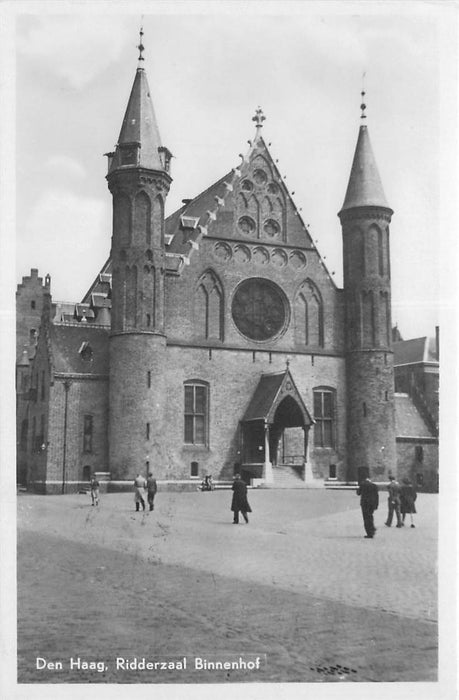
<point x="369" y="501"/>
<point x="239" y="502"/>
<point x="408" y="496"/>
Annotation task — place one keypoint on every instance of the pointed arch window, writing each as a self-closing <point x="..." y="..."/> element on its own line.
<point x="209" y="306"/>
<point x="196" y="412"/>
<point x="309" y="322"/>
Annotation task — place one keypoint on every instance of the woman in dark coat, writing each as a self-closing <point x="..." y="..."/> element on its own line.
<point x="408" y="496"/>
<point x="240" y="502"/>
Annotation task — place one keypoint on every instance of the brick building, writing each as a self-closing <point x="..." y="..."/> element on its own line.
<point x="213" y="340"/>
<point x="416" y="375"/>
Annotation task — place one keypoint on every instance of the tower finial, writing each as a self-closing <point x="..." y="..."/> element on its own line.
<point x="141" y="47"/>
<point x="363" y="105"/>
<point x="259" y="118"/>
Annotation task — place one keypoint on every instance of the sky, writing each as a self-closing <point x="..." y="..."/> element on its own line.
<point x="209" y="66"/>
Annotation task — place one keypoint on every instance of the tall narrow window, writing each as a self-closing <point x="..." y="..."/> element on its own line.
<point x="196" y="413"/>
<point x="380" y="253"/>
<point x="87" y="433"/>
<point x="147" y="431"/>
<point x="42" y="386"/>
<point x="149" y="379"/>
<point x="324" y="411"/>
<point x="209" y="306"/>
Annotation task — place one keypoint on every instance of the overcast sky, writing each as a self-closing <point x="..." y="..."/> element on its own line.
<point x="209" y="66"/>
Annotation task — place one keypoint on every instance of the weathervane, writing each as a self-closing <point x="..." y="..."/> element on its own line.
<point x="259" y="118"/>
<point x="363" y="105"/>
<point x="141" y="47"/>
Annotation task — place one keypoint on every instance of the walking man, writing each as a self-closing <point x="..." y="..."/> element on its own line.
<point x="393" y="502"/>
<point x="239" y="501"/>
<point x="151" y="490"/>
<point x="369" y="501"/>
<point x="94" y="491"/>
<point x="139" y="489"/>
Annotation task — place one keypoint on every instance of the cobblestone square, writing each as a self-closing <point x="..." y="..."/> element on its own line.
<point x="299" y="584"/>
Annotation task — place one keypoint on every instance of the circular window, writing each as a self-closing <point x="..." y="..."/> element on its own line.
<point x="259" y="309"/>
<point x="247" y="185"/>
<point x="260" y="177"/>
<point x="273" y="188"/>
<point x="246" y="224"/>
<point x="271" y="227"/>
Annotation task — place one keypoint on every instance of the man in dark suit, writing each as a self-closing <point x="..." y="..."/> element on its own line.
<point x="369" y="501"/>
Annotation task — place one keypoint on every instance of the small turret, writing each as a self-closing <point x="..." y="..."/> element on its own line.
<point x="139" y="180"/>
<point x="365" y="217"/>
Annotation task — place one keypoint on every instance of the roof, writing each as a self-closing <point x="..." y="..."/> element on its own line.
<point x="408" y="420"/>
<point x="197" y="208"/>
<point x="416" y="350"/>
<point x="140" y="127"/>
<point x="364" y="188"/>
<point x="272" y="389"/>
<point x="263" y="398"/>
<point x="66" y="344"/>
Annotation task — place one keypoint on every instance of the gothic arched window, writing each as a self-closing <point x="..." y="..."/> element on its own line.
<point x="309" y="322"/>
<point x="209" y="307"/>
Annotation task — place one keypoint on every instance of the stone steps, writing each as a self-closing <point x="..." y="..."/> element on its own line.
<point x="286" y="478"/>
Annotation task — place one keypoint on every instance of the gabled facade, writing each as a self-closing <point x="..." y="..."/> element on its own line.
<point x="197" y="319"/>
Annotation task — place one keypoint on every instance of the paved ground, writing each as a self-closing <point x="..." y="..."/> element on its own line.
<point x="299" y="584"/>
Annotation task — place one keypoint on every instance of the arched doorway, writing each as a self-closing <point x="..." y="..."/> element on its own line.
<point x="287" y="435"/>
<point x="274" y="428"/>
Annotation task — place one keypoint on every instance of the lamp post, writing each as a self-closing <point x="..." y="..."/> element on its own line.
<point x="67" y="385"/>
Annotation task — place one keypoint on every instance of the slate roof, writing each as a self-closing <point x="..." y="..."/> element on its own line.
<point x="266" y="395"/>
<point x="66" y="342"/>
<point x="263" y="397"/>
<point x="140" y="126"/>
<point x="364" y="187"/>
<point x="416" y="350"/>
<point x="197" y="207"/>
<point x="408" y="420"/>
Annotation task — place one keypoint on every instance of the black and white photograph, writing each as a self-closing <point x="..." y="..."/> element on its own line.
<point x="229" y="261"/>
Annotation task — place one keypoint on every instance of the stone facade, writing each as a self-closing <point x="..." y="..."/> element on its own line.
<point x="214" y="341"/>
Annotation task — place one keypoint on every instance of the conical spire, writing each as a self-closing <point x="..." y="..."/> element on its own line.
<point x="364" y="188"/>
<point x="139" y="142"/>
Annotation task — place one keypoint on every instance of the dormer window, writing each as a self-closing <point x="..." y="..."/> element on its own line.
<point x="86" y="352"/>
<point x="129" y="153"/>
<point x="166" y="156"/>
<point x="189" y="221"/>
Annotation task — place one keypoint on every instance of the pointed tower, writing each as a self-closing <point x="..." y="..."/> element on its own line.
<point x="365" y="217"/>
<point x="139" y="180"/>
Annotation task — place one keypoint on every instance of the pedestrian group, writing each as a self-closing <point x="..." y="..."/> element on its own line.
<point x="401" y="500"/>
<point x="140" y="486"/>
